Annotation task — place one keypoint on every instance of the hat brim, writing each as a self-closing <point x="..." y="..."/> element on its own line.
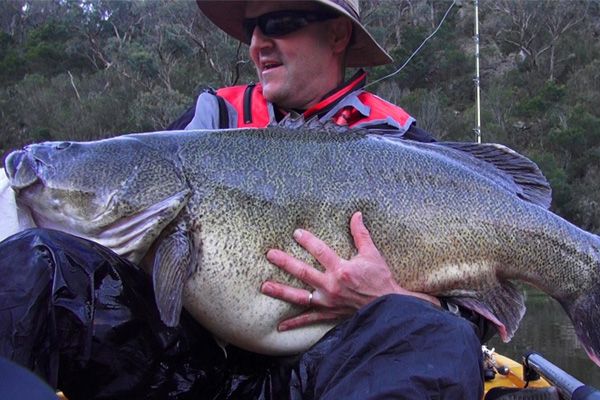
<point x="364" y="51"/>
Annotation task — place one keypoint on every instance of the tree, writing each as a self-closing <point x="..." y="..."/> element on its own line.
<point x="534" y="29"/>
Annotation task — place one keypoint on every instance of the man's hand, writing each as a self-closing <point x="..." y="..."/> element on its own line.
<point x="343" y="287"/>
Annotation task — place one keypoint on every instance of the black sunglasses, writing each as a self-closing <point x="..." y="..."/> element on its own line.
<point x="280" y="23"/>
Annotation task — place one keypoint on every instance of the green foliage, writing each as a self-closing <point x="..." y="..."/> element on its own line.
<point x="552" y="167"/>
<point x="581" y="133"/>
<point x="141" y="59"/>
<point x="156" y="109"/>
<point x="46" y="50"/>
<point x="442" y="62"/>
<point x="583" y="87"/>
<point x="549" y="95"/>
<point x="10" y="60"/>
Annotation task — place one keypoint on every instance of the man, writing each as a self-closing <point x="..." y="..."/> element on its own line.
<point x="300" y="50"/>
<point x="402" y="345"/>
<point x="300" y="61"/>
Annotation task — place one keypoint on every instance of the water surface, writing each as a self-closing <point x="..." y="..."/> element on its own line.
<point x="547" y="330"/>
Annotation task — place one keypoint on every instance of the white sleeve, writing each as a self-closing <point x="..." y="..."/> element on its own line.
<point x="206" y="115"/>
<point x="8" y="209"/>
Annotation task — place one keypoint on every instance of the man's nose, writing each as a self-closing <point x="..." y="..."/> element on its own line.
<point x="259" y="39"/>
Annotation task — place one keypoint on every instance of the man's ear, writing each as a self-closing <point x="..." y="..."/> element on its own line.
<point x="341" y="33"/>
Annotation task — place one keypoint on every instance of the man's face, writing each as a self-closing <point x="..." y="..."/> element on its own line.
<point x="296" y="70"/>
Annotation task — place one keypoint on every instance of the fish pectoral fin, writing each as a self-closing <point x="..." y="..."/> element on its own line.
<point x="503" y="305"/>
<point x="173" y="264"/>
<point x="131" y="236"/>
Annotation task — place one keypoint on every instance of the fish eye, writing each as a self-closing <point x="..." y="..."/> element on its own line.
<point x="62" y="145"/>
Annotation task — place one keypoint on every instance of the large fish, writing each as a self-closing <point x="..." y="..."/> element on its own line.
<point x="203" y="207"/>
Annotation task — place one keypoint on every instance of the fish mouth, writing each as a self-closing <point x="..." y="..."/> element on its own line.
<point x="21" y="169"/>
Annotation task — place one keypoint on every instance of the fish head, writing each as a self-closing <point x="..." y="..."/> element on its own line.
<point x="118" y="192"/>
<point x="60" y="187"/>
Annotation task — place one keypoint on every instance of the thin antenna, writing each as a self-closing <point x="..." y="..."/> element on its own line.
<point x="477" y="87"/>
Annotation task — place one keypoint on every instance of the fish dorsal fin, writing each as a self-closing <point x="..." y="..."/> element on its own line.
<point x="173" y="263"/>
<point x="503" y="305"/>
<point x="525" y="174"/>
<point x="512" y="170"/>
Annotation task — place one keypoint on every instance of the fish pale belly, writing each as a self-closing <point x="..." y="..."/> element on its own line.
<point x="223" y="294"/>
<point x="235" y="311"/>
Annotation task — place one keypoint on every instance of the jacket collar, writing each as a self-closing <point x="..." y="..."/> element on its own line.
<point x="336" y="95"/>
<point x="331" y="99"/>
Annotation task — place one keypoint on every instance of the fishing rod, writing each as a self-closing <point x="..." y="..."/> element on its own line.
<point x="477" y="86"/>
<point x="570" y="388"/>
<point x="414" y="53"/>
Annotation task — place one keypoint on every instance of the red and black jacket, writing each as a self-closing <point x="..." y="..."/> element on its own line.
<point x="348" y="105"/>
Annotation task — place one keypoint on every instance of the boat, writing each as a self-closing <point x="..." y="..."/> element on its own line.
<point x="534" y="378"/>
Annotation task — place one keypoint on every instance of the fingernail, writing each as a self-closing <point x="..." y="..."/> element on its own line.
<point x="272" y="254"/>
<point x="264" y="287"/>
<point x="282" y="327"/>
<point x="297" y="234"/>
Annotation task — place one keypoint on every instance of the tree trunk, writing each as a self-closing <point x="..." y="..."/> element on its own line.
<point x="551" y="77"/>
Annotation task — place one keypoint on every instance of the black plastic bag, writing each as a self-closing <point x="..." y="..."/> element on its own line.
<point x="85" y="321"/>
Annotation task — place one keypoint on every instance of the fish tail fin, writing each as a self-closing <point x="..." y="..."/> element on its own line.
<point x="585" y="315"/>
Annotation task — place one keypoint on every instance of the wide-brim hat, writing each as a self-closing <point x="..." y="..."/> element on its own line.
<point x="363" y="51"/>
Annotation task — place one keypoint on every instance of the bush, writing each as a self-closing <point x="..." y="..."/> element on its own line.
<point x="550" y="94"/>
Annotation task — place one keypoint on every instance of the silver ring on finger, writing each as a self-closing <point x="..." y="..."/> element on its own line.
<point x="310" y="297"/>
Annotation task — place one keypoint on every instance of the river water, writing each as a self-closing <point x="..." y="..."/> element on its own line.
<point x="547" y="330"/>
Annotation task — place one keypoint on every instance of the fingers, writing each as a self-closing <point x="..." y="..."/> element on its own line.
<point x="295" y="267"/>
<point x="362" y="238"/>
<point x="286" y="293"/>
<point x="317" y="248"/>
<point x="326" y="256"/>
<point x="307" y="318"/>
<point x="341" y="288"/>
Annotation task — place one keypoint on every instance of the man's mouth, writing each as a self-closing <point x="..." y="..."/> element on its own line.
<point x="268" y="66"/>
